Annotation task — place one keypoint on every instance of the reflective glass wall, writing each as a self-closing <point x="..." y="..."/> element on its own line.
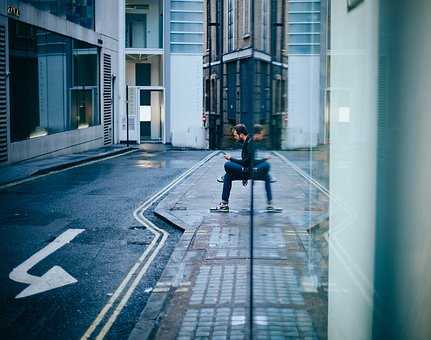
<point x="54" y="82"/>
<point x="80" y="12"/>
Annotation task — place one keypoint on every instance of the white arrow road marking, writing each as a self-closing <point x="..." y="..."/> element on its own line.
<point x="54" y="278"/>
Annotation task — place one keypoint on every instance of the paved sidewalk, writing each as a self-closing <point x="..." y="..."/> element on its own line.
<point x="314" y="162"/>
<point x="19" y="171"/>
<point x="204" y="290"/>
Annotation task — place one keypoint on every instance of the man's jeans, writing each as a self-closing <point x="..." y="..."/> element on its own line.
<point x="235" y="172"/>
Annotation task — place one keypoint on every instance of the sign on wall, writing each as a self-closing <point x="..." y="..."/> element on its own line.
<point x="13" y="11"/>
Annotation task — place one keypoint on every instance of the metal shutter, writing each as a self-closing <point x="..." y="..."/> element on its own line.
<point x="107" y="100"/>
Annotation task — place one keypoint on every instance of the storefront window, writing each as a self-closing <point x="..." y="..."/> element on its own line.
<point x="54" y="82"/>
<point x="84" y="92"/>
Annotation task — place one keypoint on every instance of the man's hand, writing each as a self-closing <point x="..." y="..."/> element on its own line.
<point x="267" y="158"/>
<point x="227" y="157"/>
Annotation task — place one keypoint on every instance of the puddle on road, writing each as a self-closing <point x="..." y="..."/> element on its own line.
<point x="158" y="164"/>
<point x="151" y="164"/>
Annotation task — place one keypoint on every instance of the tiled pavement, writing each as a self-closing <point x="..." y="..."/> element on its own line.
<point x="204" y="291"/>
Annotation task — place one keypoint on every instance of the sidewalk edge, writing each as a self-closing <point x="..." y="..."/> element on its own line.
<point x="148" y="321"/>
<point x="66" y="165"/>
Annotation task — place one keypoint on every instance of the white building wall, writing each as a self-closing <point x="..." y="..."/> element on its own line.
<point x="186" y="101"/>
<point x="303" y="102"/>
<point x="353" y="163"/>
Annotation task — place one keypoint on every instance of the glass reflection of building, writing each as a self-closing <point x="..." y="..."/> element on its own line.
<point x="59" y="77"/>
<point x="80" y="12"/>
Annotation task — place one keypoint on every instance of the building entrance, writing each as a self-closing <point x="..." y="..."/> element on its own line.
<point x="146" y="112"/>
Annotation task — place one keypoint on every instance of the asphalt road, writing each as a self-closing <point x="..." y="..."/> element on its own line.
<point x="99" y="198"/>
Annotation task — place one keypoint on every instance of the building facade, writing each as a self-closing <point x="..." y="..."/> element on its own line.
<point x="266" y="62"/>
<point x="161" y="72"/>
<point x="58" y="67"/>
<point x="245" y="68"/>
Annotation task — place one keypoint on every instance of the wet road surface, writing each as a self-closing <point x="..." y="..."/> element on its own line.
<point x="99" y="198"/>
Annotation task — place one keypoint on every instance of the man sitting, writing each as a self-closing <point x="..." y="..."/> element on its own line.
<point x="240" y="169"/>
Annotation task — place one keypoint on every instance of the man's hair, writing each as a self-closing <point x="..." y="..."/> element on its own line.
<point x="257" y="128"/>
<point x="240" y="128"/>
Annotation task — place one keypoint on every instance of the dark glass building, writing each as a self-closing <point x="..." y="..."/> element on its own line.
<point x="245" y="68"/>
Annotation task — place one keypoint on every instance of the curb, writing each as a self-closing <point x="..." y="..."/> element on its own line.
<point x="71" y="164"/>
<point x="167" y="217"/>
<point x="149" y="319"/>
<point x="66" y="165"/>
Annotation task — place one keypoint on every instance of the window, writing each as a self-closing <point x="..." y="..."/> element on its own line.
<point x="265" y="25"/>
<point x="80" y="12"/>
<point x="246" y="17"/>
<point x="231" y="25"/>
<point x="304" y="27"/>
<point x="186" y="26"/>
<point x="136" y="28"/>
<point x="59" y="79"/>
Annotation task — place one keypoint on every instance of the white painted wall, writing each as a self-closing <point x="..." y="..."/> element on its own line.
<point x="107" y="19"/>
<point x="303" y="102"/>
<point x="353" y="116"/>
<point x="186" y="101"/>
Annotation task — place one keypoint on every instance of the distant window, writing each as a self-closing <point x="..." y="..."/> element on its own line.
<point x="186" y="30"/>
<point x="265" y="25"/>
<point x="231" y="25"/>
<point x="246" y="16"/>
<point x="304" y="27"/>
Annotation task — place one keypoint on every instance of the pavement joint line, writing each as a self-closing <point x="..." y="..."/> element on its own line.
<point x="143" y="262"/>
<point x="84" y="163"/>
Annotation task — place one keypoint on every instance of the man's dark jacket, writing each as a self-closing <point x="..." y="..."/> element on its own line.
<point x="247" y="155"/>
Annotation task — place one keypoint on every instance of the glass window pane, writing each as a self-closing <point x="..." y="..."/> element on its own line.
<point x="59" y="78"/>
<point x="186" y="16"/>
<point x="304" y="17"/>
<point x="184" y="37"/>
<point x="136" y="30"/>
<point x="301" y="28"/>
<point x="186" y="27"/>
<point x="186" y="5"/>
<point x="186" y="48"/>
<point x="80" y="12"/>
<point x="304" y="38"/>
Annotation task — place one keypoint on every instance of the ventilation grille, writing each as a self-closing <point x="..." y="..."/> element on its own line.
<point x="3" y="97"/>
<point x="107" y="100"/>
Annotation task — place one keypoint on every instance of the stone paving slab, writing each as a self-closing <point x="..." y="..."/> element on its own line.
<point x="204" y="291"/>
